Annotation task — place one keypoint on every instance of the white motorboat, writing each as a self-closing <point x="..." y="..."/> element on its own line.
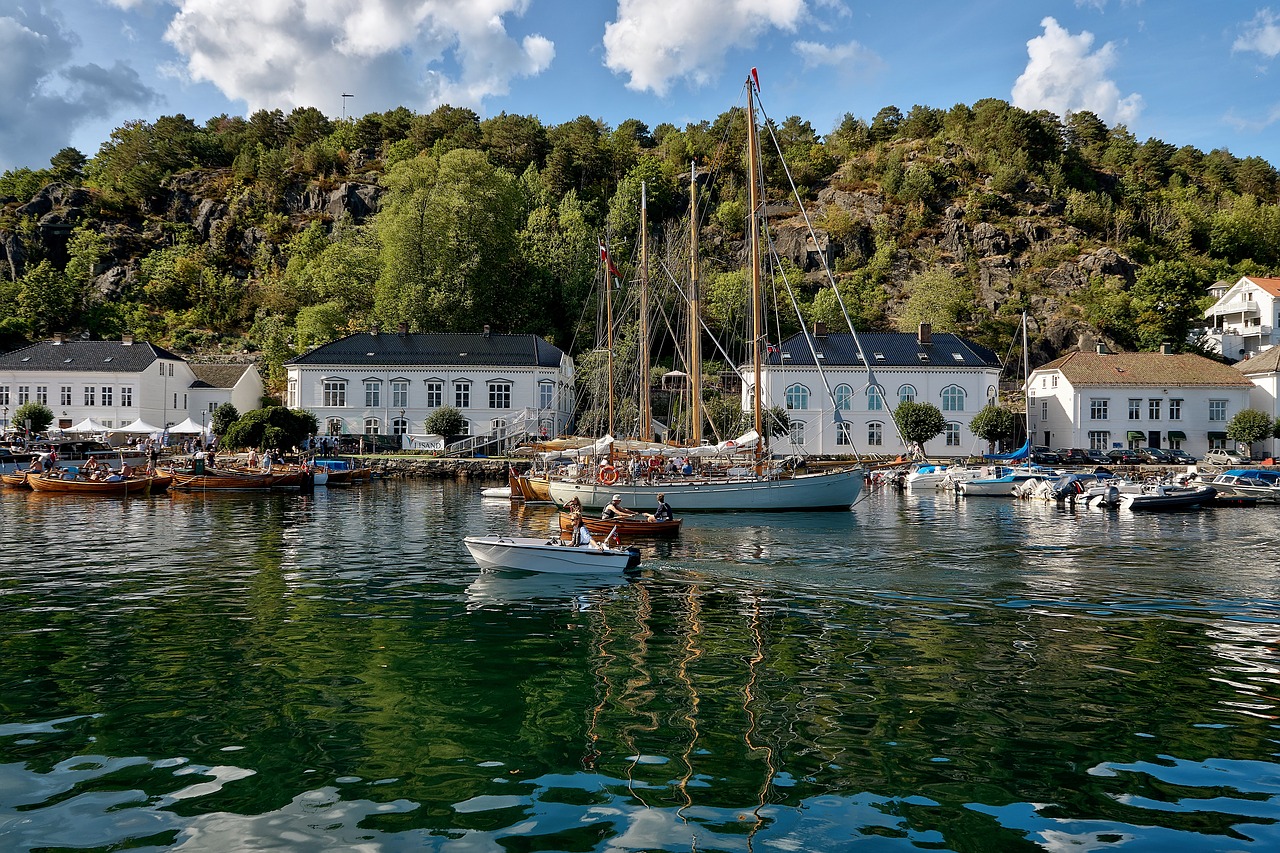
<point x="529" y="554"/>
<point x="503" y="492"/>
<point x="924" y="475"/>
<point x="1168" y="497"/>
<point x="1003" y="482"/>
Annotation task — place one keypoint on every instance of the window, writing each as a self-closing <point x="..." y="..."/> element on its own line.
<point x="875" y="398"/>
<point x="1098" y="410"/>
<point x="334" y="426"/>
<point x="126" y="397"/>
<point x="461" y="395"/>
<point x="1175" y="410"/>
<point x="335" y="393"/>
<point x="546" y="394"/>
<point x="1044" y="410"/>
<point x="1153" y="409"/>
<point x="907" y="394"/>
<point x="171" y="370"/>
<point x="293" y="394"/>
<point x="797" y="432"/>
<point x="1217" y="410"/>
<point x="953" y="399"/>
<point x="24" y="394"/>
<point x="175" y="400"/>
<point x="843" y="398"/>
<point x="498" y="427"/>
<point x="399" y="426"/>
<point x="90" y="396"/>
<point x="797" y="397"/>
<point x="952" y="433"/>
<point x="372" y="397"/>
<point x="212" y="407"/>
<point x="1054" y="384"/>
<point x="1099" y="440"/>
<point x="107" y="395"/>
<point x="435" y="394"/>
<point x="1217" y="441"/>
<point x="466" y="427"/>
<point x="4" y="396"/>
<point x="64" y="391"/>
<point x="42" y="395"/>
<point x="1135" y="409"/>
<point x="875" y="434"/>
<point x="844" y="435"/>
<point x="499" y="395"/>
<point x="372" y="426"/>
<point x="400" y="393"/>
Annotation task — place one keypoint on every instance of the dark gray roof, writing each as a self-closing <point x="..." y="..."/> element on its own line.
<point x="892" y="349"/>
<point x="108" y="356"/>
<point x="218" y="375"/>
<point x="443" y="349"/>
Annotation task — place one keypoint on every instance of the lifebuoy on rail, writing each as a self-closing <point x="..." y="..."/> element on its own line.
<point x="608" y="475"/>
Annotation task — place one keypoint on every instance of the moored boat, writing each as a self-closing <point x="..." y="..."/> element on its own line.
<point x="626" y="528"/>
<point x="539" y="555"/>
<point x="124" y="486"/>
<point x="217" y="479"/>
<point x="1168" y="497"/>
<point x="1259" y="483"/>
<point x="15" y="480"/>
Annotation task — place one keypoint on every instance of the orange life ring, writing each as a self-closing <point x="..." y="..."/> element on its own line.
<point x="608" y="475"/>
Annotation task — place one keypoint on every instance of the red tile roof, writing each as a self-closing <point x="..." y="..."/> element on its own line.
<point x="1270" y="285"/>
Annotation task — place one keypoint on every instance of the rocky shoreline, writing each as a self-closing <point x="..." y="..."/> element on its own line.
<point x="439" y="469"/>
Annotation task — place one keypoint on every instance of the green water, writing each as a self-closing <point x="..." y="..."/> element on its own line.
<point x="334" y="673"/>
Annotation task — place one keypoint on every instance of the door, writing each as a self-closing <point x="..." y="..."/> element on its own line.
<point x="1153" y="438"/>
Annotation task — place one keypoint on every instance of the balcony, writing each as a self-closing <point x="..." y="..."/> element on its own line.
<point x="1235" y="306"/>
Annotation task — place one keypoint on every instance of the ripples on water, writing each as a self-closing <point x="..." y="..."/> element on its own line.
<point x="332" y="672"/>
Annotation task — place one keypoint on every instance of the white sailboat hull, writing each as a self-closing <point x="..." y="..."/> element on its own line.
<point x="832" y="490"/>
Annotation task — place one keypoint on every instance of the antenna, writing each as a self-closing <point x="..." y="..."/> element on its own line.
<point x="344" y="105"/>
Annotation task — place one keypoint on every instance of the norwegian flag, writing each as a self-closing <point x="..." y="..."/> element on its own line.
<point x="604" y="257"/>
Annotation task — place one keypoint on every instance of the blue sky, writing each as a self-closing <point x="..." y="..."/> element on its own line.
<point x="1185" y="71"/>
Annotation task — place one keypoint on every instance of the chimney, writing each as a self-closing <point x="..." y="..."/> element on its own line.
<point x="57" y="339"/>
<point x="373" y="330"/>
<point x="819" y="329"/>
<point x="1101" y="349"/>
<point x="925" y="335"/>
<point x="486" y="330"/>
<point x="127" y="340"/>
<point x="1166" y="348"/>
<point x="404" y="329"/>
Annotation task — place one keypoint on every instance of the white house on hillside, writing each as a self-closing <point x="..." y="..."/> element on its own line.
<point x="1264" y="372"/>
<point x="957" y="376"/>
<point x="1103" y="400"/>
<point x="377" y="383"/>
<point x="1245" y="318"/>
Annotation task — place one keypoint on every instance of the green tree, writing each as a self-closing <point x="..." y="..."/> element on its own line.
<point x="919" y="422"/>
<point x="724" y="415"/>
<point x="47" y="300"/>
<point x="68" y="165"/>
<point x="1250" y="426"/>
<point x="446" y="421"/>
<point x="223" y="417"/>
<point x="937" y="297"/>
<point x="38" y="414"/>
<point x="273" y="428"/>
<point x="994" y="423"/>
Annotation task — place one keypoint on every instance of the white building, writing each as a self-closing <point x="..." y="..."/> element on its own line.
<point x="112" y="382"/>
<point x="215" y="384"/>
<point x="378" y="383"/>
<point x="957" y="376"/>
<point x="1245" y="318"/>
<point x="1104" y="400"/>
<point x="1264" y="372"/>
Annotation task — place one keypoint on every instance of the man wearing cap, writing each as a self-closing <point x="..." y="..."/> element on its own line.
<point x="615" y="510"/>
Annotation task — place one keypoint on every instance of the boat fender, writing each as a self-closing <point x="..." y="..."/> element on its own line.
<point x="608" y="475"/>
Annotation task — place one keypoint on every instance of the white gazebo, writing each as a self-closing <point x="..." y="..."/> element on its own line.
<point x="88" y="425"/>
<point x="190" y="427"/>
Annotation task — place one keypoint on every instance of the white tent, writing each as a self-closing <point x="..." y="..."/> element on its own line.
<point x="139" y="427"/>
<point x="87" y="425"/>
<point x="190" y="427"/>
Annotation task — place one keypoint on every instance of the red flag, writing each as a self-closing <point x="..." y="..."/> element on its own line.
<point x="756" y="78"/>
<point x="604" y="256"/>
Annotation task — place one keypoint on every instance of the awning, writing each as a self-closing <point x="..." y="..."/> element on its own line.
<point x="1137" y="435"/>
<point x="1177" y="435"/>
<point x="1220" y="436"/>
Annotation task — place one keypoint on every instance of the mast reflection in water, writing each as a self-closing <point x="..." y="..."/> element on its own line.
<point x="332" y="672"/>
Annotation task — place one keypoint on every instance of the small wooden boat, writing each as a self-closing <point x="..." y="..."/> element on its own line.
<point x="628" y="528"/>
<point x="160" y="481"/>
<point x="341" y="472"/>
<point x="127" y="486"/>
<point x="218" y="479"/>
<point x="538" y="555"/>
<point x="15" y="480"/>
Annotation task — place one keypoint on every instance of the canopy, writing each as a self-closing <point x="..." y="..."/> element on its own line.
<point x="1137" y="435"/>
<point x="1021" y="453"/>
<point x="1219" y="436"/>
<point x="87" y="425"/>
<point x="140" y="427"/>
<point x="190" y="427"/>
<point x="1177" y="435"/>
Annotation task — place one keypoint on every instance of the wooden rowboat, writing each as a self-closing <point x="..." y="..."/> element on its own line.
<point x="129" y="486"/>
<point x="15" y="480"/>
<point x="216" y="479"/>
<point x="628" y="528"/>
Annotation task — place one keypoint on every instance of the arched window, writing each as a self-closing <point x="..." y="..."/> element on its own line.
<point x="334" y="426"/>
<point x="797" y="432"/>
<point x="875" y="398"/>
<point x="797" y="397"/>
<point x="844" y="398"/>
<point x="498" y="427"/>
<point x="907" y="394"/>
<point x="952" y="432"/>
<point x="875" y="434"/>
<point x="399" y="426"/>
<point x="372" y="426"/>
<point x="953" y="399"/>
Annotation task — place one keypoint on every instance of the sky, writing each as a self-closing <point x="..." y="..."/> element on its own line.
<point x="1189" y="72"/>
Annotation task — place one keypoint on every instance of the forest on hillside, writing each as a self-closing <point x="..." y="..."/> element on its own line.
<point x="277" y="232"/>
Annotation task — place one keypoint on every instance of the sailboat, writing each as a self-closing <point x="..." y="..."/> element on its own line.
<point x="757" y="484"/>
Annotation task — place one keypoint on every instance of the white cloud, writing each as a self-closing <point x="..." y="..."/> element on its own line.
<point x="1262" y="34"/>
<point x="842" y="56"/>
<point x="655" y="42"/>
<point x="1063" y="76"/>
<point x="44" y="97"/>
<point x="419" y="53"/>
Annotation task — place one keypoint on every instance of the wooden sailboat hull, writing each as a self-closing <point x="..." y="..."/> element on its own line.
<point x="627" y="528"/>
<point x="220" y="481"/>
<point x="828" y="490"/>
<point x="16" y="480"/>
<point x="131" y="486"/>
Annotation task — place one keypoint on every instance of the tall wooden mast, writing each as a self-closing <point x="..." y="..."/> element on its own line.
<point x="695" y="317"/>
<point x="646" y="410"/>
<point x="757" y="309"/>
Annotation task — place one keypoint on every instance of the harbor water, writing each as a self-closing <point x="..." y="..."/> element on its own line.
<point x="333" y="672"/>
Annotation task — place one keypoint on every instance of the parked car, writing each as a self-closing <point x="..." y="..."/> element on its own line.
<point x="1125" y="456"/>
<point x="1223" y="457"/>
<point x="1180" y="457"/>
<point x="1044" y="456"/>
<point x="1074" y="456"/>
<point x="1098" y="457"/>
<point x="1154" y="456"/>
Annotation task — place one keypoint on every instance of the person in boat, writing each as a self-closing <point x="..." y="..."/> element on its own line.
<point x="37" y="465"/>
<point x="113" y="477"/>
<point x="573" y="506"/>
<point x="663" y="512"/>
<point x="581" y="536"/>
<point x="615" y="510"/>
<point x="252" y="460"/>
<point x="126" y="470"/>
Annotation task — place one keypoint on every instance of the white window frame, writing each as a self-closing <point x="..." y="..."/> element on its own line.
<point x="796" y="397"/>
<point x="334" y="393"/>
